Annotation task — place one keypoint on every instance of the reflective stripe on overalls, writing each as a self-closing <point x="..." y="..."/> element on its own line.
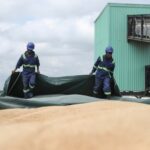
<point x="28" y="65"/>
<point x="26" y="91"/>
<point x="104" y="68"/>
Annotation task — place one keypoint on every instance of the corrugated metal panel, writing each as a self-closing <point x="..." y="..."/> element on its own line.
<point x="101" y="32"/>
<point x="131" y="57"/>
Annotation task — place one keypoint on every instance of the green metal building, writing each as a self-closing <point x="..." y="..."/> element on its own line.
<point x="131" y="48"/>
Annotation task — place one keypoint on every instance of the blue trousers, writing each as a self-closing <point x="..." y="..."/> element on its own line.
<point x="102" y="82"/>
<point x="28" y="84"/>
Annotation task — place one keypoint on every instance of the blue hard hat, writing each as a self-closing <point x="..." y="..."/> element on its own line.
<point x="109" y="49"/>
<point x="30" y="46"/>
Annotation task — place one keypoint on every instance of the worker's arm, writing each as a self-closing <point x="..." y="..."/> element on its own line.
<point x="96" y="65"/>
<point x="19" y="64"/>
<point x="111" y="66"/>
<point x="38" y="65"/>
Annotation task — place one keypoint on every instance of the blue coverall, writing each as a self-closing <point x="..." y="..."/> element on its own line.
<point x="29" y="60"/>
<point x="104" y="70"/>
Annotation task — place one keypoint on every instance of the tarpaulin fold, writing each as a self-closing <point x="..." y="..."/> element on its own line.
<point x="79" y="84"/>
<point x="50" y="91"/>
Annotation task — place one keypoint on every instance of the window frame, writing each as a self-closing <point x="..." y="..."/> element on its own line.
<point x="136" y="24"/>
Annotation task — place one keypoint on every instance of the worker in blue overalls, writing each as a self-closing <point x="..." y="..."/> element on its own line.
<point x="104" y="70"/>
<point x="30" y="61"/>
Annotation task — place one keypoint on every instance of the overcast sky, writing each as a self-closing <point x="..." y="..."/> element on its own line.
<point x="62" y="30"/>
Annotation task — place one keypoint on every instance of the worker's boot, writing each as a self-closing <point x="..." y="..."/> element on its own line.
<point x="95" y="93"/>
<point x="26" y="95"/>
<point x="30" y="95"/>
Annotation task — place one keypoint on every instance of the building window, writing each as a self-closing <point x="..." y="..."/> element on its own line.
<point x="139" y="27"/>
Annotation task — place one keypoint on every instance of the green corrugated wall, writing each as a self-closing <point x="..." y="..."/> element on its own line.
<point x="130" y="57"/>
<point x="102" y="27"/>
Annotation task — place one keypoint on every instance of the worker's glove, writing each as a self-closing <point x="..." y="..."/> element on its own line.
<point x="91" y="73"/>
<point x="13" y="71"/>
<point x="38" y="71"/>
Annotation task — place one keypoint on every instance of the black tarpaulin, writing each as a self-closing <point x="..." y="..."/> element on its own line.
<point x="51" y="91"/>
<point x="79" y="84"/>
<point x="56" y="91"/>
